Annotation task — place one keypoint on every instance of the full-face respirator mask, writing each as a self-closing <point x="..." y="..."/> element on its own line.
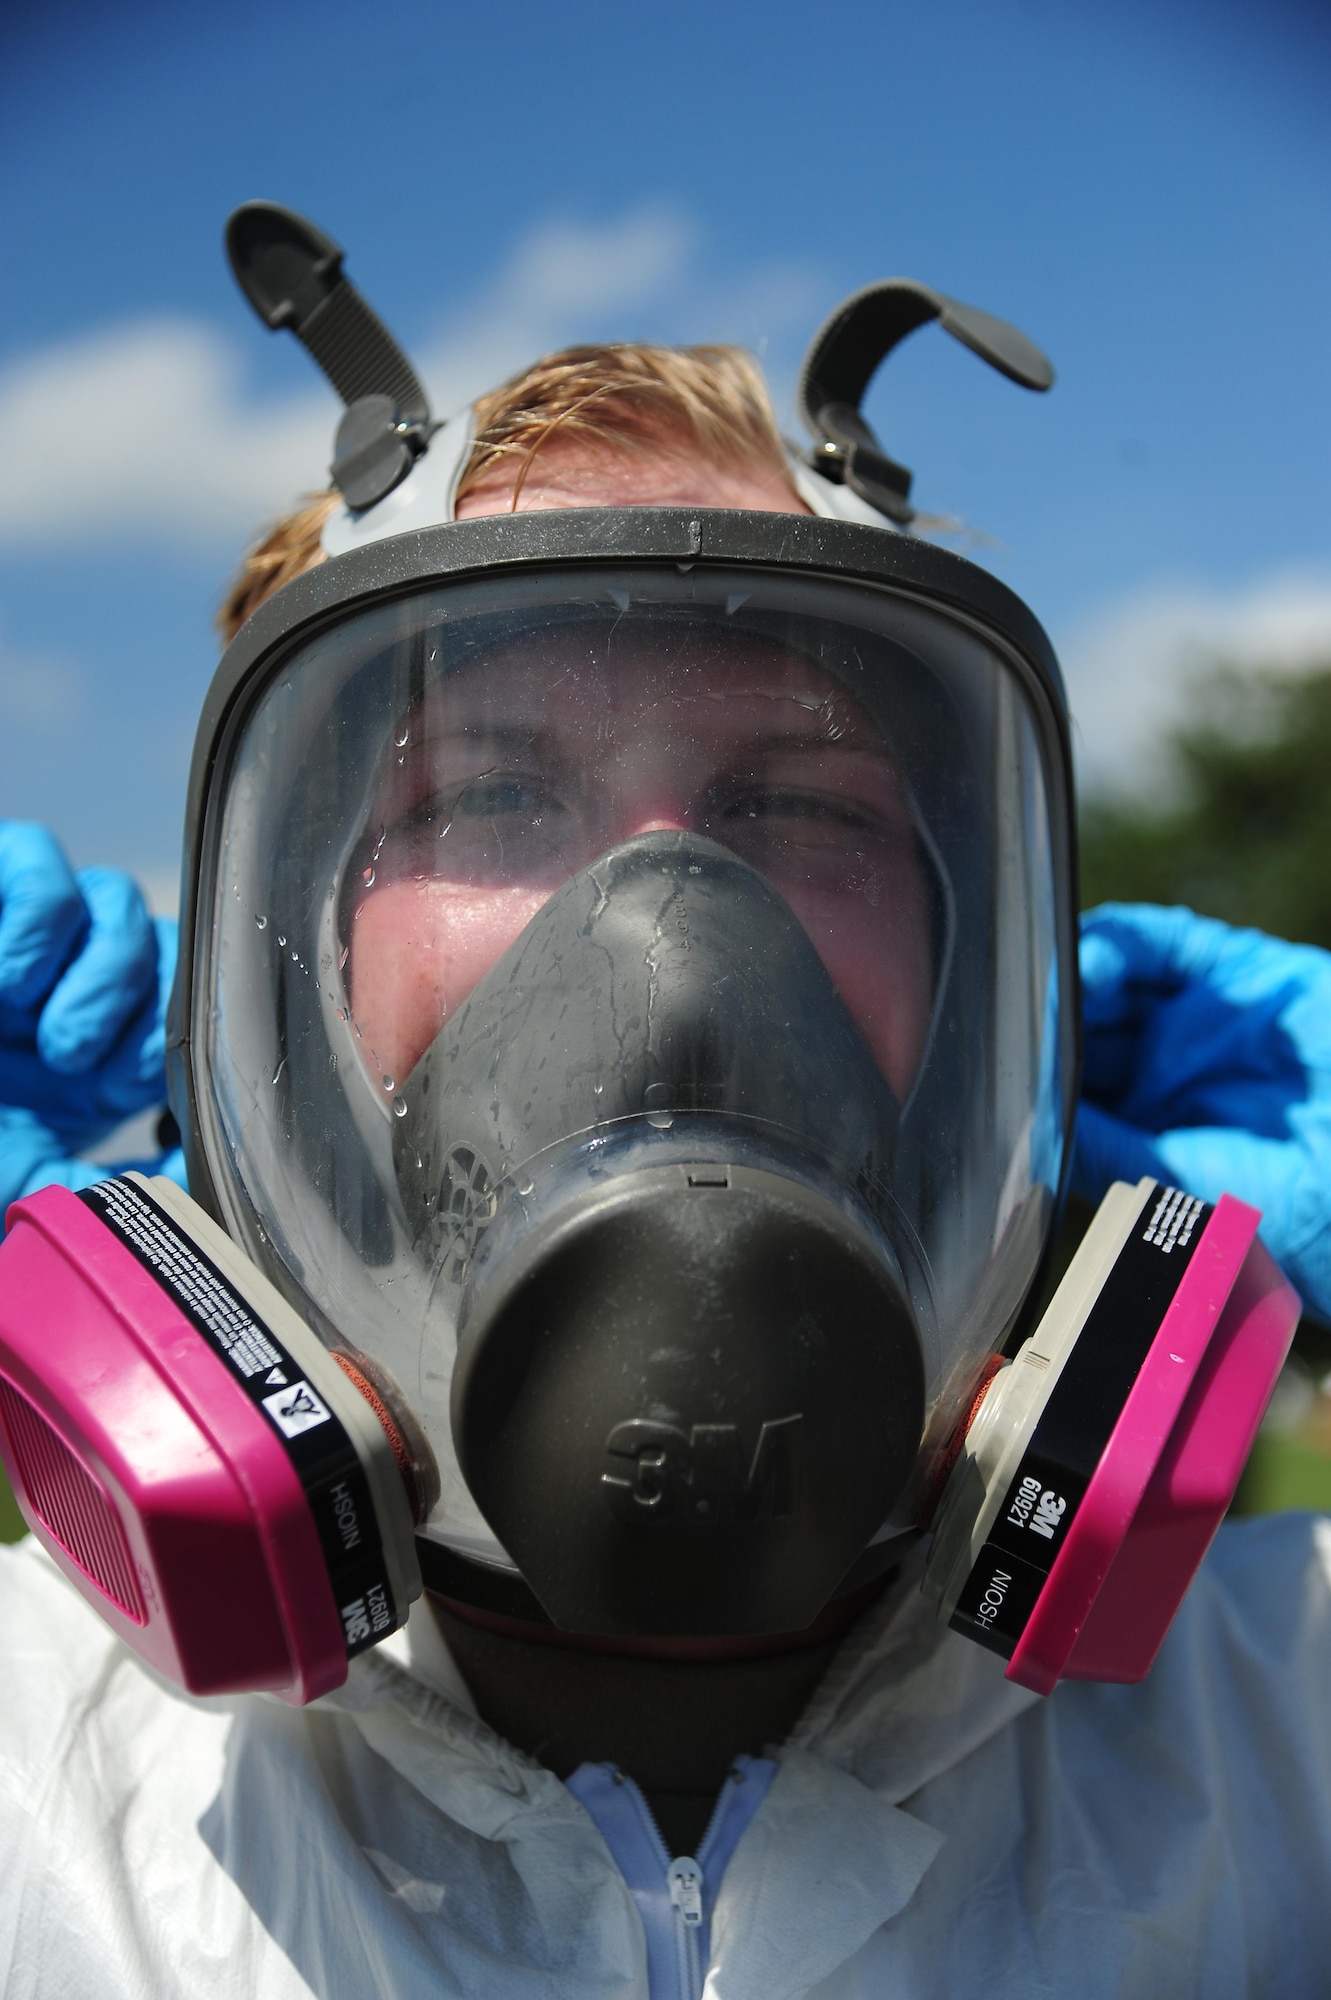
<point x="626" y="1041"/>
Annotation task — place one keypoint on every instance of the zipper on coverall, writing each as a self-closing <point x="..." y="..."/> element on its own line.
<point x="675" y="1899"/>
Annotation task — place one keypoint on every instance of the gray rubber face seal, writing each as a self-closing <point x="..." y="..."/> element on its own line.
<point x="424" y="499"/>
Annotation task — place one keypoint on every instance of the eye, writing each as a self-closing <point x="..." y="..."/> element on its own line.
<point x="504" y="796"/>
<point x="797" y="814"/>
<point x="499" y="796"/>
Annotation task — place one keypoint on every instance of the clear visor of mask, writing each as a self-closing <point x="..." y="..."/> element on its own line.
<point x="522" y="881"/>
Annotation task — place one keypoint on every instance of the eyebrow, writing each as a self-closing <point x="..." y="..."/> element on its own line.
<point x="498" y="737"/>
<point x="790" y="740"/>
<point x="503" y="737"/>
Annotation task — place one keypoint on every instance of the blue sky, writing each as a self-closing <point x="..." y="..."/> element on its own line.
<point x="1146" y="190"/>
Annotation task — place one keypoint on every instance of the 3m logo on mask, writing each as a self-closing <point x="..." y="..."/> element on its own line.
<point x="702" y="1478"/>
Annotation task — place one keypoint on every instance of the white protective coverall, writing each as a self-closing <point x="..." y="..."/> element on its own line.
<point x="932" y="1830"/>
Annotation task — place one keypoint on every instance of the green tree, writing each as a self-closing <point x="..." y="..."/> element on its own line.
<point x="1246" y="832"/>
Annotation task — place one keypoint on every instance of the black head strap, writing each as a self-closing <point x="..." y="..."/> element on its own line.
<point x="844" y="356"/>
<point x="291" y="273"/>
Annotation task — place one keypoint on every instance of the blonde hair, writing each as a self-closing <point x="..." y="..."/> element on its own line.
<point x="624" y="400"/>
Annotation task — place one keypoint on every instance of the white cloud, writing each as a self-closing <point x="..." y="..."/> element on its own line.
<point x="147" y="429"/>
<point x="571" y="268"/>
<point x="1133" y="670"/>
<point x="144" y="428"/>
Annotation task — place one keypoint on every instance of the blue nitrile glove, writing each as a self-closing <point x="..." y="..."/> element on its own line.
<point x="84" y="978"/>
<point x="1208" y="1064"/>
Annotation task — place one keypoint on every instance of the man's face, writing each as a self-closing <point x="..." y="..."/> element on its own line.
<point x="521" y="768"/>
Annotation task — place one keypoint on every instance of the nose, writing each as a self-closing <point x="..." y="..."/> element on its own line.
<point x="655" y="794"/>
<point x="655" y="801"/>
<point x="677" y="822"/>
